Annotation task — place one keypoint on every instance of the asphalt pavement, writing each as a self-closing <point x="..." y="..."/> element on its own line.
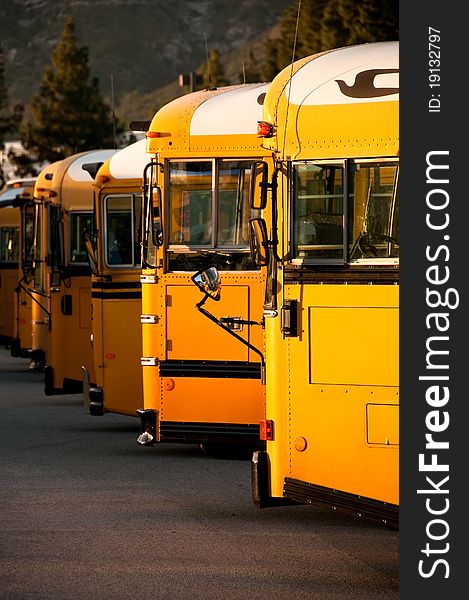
<point x="86" y="513"/>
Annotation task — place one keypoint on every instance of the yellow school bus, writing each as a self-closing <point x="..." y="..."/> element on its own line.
<point x="62" y="278"/>
<point x="200" y="384"/>
<point x="15" y="246"/>
<point x="331" y="305"/>
<point x="116" y="296"/>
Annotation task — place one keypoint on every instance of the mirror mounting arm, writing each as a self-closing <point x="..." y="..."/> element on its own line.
<point x="221" y="324"/>
<point x="236" y="321"/>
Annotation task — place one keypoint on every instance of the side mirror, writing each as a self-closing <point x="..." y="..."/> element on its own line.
<point x="91" y="253"/>
<point x="258" y="242"/>
<point x="155" y="216"/>
<point x="259" y="185"/>
<point x="208" y="281"/>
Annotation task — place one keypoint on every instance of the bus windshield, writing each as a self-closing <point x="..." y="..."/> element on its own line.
<point x="208" y="214"/>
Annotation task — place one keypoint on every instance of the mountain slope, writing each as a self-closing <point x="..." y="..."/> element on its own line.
<point x="142" y="44"/>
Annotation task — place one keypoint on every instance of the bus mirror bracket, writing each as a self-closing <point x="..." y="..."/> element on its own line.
<point x="208" y="282"/>
<point x="289" y="318"/>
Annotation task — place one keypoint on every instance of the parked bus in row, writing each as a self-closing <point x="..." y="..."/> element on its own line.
<point x="200" y="384"/>
<point x="115" y="257"/>
<point x="331" y="306"/>
<point x="62" y="277"/>
<point x="15" y="267"/>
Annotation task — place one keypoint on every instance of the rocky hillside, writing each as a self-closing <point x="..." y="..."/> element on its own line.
<point x="142" y="45"/>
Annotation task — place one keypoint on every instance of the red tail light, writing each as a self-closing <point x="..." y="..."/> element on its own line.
<point x="266" y="432"/>
<point x="265" y="129"/>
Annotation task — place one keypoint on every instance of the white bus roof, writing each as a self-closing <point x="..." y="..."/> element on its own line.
<point x="129" y="162"/>
<point x="234" y="112"/>
<point x="354" y="74"/>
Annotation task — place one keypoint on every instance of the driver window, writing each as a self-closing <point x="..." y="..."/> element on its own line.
<point x="118" y="237"/>
<point x="319" y="194"/>
<point x="78" y="223"/>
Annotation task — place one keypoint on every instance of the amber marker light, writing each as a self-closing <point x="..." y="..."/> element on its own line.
<point x="156" y="134"/>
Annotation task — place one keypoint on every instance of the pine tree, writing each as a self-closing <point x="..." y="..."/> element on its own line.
<point x="251" y="70"/>
<point x="327" y="24"/>
<point x="4" y="120"/>
<point x="68" y="113"/>
<point x="348" y="22"/>
<point x="212" y="72"/>
<point x="270" y="66"/>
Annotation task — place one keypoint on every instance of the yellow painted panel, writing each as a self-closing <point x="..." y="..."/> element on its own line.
<point x="212" y="400"/>
<point x="68" y="344"/>
<point x="382" y="424"/>
<point x="24" y="325"/>
<point x="354" y="345"/>
<point x="333" y="422"/>
<point x="8" y="281"/>
<point x="85" y="306"/>
<point x="122" y="349"/>
<point x="191" y="335"/>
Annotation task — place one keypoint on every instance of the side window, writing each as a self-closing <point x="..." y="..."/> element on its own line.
<point x="28" y="219"/>
<point x="37" y="250"/>
<point x="322" y="203"/>
<point x="78" y="223"/>
<point x="373" y="212"/>
<point x="9" y="237"/>
<point x="122" y="230"/>
<point x="319" y="211"/>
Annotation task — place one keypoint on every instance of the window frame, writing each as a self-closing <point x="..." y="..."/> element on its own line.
<point x="72" y="218"/>
<point x="214" y="245"/>
<point x="135" y="226"/>
<point x="345" y="260"/>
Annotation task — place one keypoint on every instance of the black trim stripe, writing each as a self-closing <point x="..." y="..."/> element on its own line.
<point x="212" y="369"/>
<point x="76" y="271"/>
<point x="113" y="285"/>
<point x="364" y="275"/>
<point x="308" y="493"/>
<point x="8" y="264"/>
<point x="175" y="431"/>
<point x="117" y="295"/>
